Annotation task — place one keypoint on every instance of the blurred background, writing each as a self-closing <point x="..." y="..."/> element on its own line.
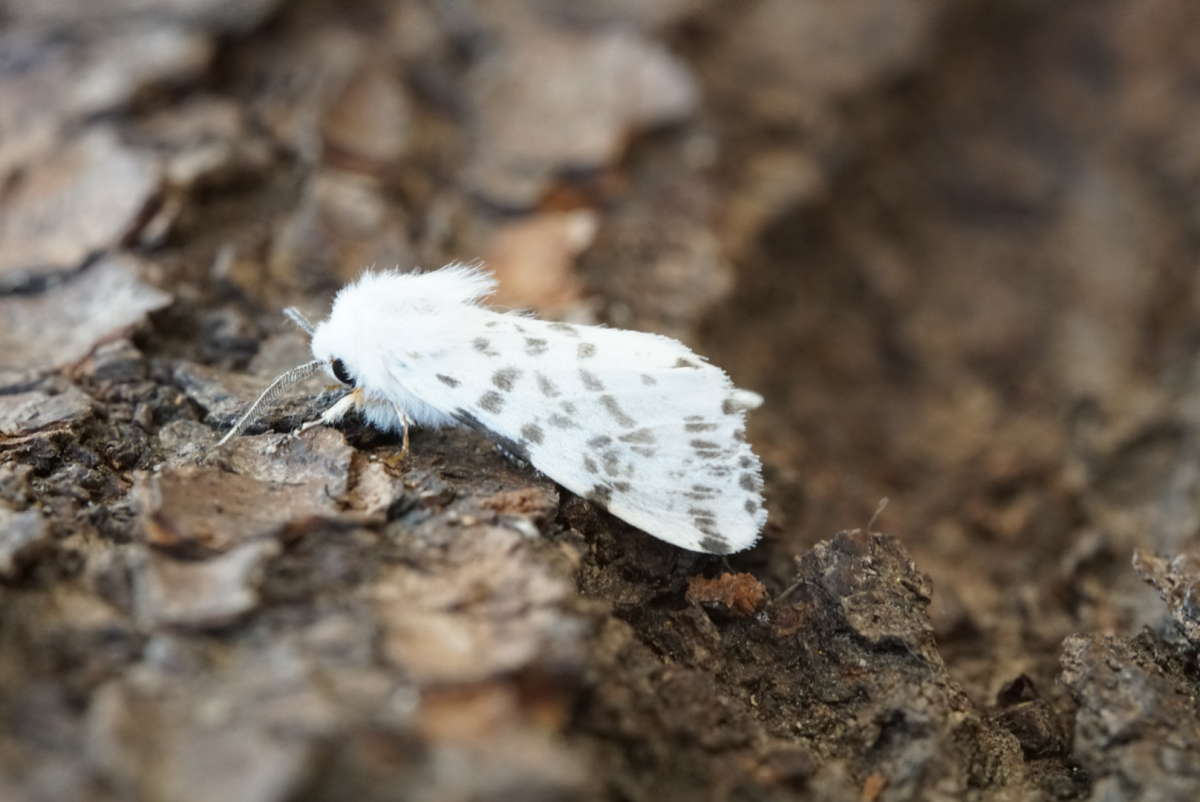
<point x="954" y="245"/>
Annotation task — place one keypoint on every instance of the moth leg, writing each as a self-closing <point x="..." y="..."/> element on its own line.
<point x="405" y="423"/>
<point x="351" y="400"/>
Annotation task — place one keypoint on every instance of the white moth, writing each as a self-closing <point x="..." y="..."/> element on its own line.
<point x="636" y="423"/>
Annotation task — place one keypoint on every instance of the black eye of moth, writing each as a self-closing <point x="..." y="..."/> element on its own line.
<point x="339" y="370"/>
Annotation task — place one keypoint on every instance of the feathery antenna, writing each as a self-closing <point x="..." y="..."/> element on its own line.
<point x="296" y="316"/>
<point x="883" y="502"/>
<point x="273" y="390"/>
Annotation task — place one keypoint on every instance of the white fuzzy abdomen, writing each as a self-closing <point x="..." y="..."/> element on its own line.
<point x="381" y="412"/>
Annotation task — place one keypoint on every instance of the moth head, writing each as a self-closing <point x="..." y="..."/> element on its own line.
<point x="332" y="351"/>
<point x="337" y="367"/>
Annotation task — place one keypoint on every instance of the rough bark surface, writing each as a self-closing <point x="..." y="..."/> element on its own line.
<point x="954" y="244"/>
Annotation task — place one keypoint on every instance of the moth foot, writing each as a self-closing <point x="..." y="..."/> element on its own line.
<point x="405" y="424"/>
<point x="304" y="427"/>
<point x="395" y="463"/>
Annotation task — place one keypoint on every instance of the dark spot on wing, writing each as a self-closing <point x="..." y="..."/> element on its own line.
<point x="568" y="407"/>
<point x="639" y="436"/>
<point x="505" y="378"/>
<point x="590" y="382"/>
<point x="547" y="387"/>
<point x="612" y="462"/>
<point x="561" y="422"/>
<point x="704" y="445"/>
<point x="700" y="427"/>
<point x="644" y="451"/>
<point x="507" y="445"/>
<point x="623" y="487"/>
<point x="535" y="346"/>
<point x="600" y="495"/>
<point x="590" y="464"/>
<point x="751" y="506"/>
<point x="748" y="482"/>
<point x="585" y="351"/>
<point x="614" y="409"/>
<point x="745" y="462"/>
<point x="714" y="544"/>
<point x="520" y="329"/>
<point x="704" y="520"/>
<point x="684" y="363"/>
<point x="599" y="442"/>
<point x="565" y="328"/>
<point x="448" y="381"/>
<point x="513" y="450"/>
<point x="728" y="407"/>
<point x="484" y="346"/>
<point x="648" y="380"/>
<point x="532" y="432"/>
<point x="491" y="324"/>
<point x="492" y="401"/>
